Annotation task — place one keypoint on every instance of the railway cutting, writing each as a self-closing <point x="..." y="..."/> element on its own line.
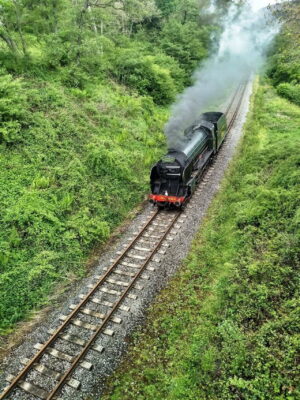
<point x="51" y="370"/>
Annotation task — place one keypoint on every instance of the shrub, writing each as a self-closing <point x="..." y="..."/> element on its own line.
<point x="284" y="65"/>
<point x="160" y="84"/>
<point x="59" y="50"/>
<point x="290" y="92"/>
<point x="186" y="43"/>
<point x="74" y="77"/>
<point x="169" y="63"/>
<point x="147" y="75"/>
<point x="12" y="105"/>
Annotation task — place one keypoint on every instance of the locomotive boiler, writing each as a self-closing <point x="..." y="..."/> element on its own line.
<point x="175" y="176"/>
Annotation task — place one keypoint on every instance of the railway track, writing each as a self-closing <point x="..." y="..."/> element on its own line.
<point x="233" y="109"/>
<point x="51" y="369"/>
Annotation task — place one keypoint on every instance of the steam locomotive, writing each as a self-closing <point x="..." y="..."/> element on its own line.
<point x="175" y="176"/>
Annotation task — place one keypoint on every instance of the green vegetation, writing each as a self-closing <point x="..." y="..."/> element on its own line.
<point x="83" y="85"/>
<point x="227" y="327"/>
<point x="70" y="174"/>
<point x="285" y="65"/>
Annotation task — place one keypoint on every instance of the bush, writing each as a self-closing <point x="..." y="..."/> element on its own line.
<point x="148" y="75"/>
<point x="169" y="63"/>
<point x="284" y="65"/>
<point x="290" y="92"/>
<point x="74" y="77"/>
<point x="58" y="50"/>
<point x="12" y="113"/>
<point x="186" y="43"/>
<point x="160" y="84"/>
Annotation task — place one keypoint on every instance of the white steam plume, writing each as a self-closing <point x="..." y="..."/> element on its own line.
<point x="243" y="44"/>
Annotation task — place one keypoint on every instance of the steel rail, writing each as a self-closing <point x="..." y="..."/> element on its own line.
<point x="233" y="98"/>
<point x="73" y="314"/>
<point x="237" y="109"/>
<point x="75" y="363"/>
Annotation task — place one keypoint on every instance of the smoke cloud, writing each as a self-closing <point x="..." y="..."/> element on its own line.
<point x="246" y="37"/>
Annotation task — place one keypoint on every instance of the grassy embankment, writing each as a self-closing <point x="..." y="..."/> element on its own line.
<point x="65" y="181"/>
<point x="227" y="327"/>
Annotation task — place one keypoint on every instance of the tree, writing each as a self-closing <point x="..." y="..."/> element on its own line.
<point x="187" y="43"/>
<point x="7" y="14"/>
<point x="167" y="7"/>
<point x="43" y="16"/>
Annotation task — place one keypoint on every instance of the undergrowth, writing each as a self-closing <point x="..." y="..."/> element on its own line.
<point x="284" y="64"/>
<point x="84" y="91"/>
<point x="227" y="327"/>
<point x="73" y="164"/>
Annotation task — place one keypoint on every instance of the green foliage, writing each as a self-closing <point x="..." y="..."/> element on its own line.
<point x="72" y="170"/>
<point x="185" y="42"/>
<point x="80" y="126"/>
<point x="228" y="325"/>
<point x="289" y="91"/>
<point x="12" y="115"/>
<point x="166" y="7"/>
<point x="82" y="38"/>
<point x="284" y="65"/>
<point x="149" y="75"/>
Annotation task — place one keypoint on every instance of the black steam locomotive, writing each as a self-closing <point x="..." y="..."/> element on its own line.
<point x="175" y="176"/>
